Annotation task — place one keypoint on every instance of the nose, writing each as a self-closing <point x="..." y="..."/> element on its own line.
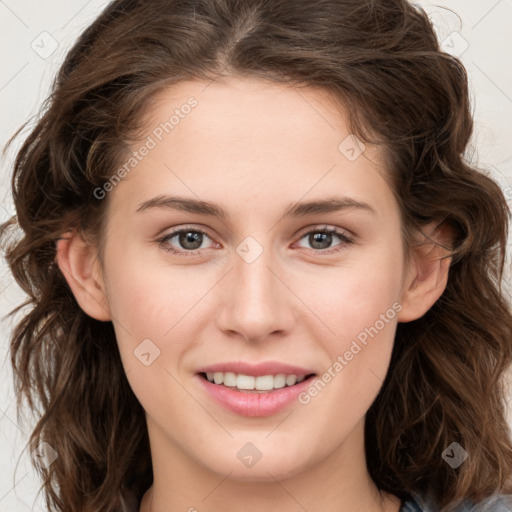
<point x="255" y="300"/>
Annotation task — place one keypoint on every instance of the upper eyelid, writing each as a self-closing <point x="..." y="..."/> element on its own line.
<point x="177" y="231"/>
<point x="323" y="227"/>
<point x="306" y="230"/>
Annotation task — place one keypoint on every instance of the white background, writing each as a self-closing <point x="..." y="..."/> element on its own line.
<point x="30" y="30"/>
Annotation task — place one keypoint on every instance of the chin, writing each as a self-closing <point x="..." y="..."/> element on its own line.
<point x="264" y="474"/>
<point x="268" y="468"/>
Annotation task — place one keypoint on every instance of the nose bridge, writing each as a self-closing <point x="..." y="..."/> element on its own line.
<point x="254" y="280"/>
<point x="255" y="303"/>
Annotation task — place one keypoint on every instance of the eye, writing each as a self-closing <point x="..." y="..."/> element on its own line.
<point x="322" y="238"/>
<point x="189" y="239"/>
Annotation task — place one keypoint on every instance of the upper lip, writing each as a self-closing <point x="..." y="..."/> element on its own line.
<point x="255" y="370"/>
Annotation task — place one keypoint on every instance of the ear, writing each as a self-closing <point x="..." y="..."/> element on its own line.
<point x="427" y="274"/>
<point x="79" y="264"/>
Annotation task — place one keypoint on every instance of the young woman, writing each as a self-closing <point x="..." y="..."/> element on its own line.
<point x="261" y="274"/>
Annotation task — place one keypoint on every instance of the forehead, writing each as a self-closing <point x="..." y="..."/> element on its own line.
<point x="245" y="112"/>
<point x="252" y="139"/>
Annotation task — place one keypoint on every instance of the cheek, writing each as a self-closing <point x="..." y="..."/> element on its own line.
<point x="150" y="312"/>
<point x="354" y="295"/>
<point x="146" y="297"/>
<point x="359" y="303"/>
<point x="156" y="312"/>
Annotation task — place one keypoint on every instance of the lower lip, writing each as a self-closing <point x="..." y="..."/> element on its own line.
<point x="254" y="404"/>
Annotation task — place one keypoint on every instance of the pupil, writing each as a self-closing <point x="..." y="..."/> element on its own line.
<point x="321" y="237"/>
<point x="190" y="236"/>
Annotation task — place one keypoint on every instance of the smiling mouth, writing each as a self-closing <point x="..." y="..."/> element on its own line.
<point x="251" y="384"/>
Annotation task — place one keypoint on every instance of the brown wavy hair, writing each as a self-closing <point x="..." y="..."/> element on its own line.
<point x="383" y="62"/>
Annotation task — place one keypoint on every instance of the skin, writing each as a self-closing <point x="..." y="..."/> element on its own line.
<point x="255" y="148"/>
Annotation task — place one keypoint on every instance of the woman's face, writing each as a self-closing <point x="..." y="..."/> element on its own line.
<point x="252" y="293"/>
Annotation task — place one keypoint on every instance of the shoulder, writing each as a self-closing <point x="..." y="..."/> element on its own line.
<point x="494" y="503"/>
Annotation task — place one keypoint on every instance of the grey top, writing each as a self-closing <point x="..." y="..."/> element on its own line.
<point x="495" y="503"/>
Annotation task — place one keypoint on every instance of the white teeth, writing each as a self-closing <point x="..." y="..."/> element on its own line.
<point x="264" y="382"/>
<point x="229" y="379"/>
<point x="291" y="380"/>
<point x="280" y="380"/>
<point x="245" y="382"/>
<point x="249" y="382"/>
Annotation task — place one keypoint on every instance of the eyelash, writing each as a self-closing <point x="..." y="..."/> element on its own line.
<point x="346" y="240"/>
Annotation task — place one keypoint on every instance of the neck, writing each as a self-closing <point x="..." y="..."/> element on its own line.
<point x="339" y="482"/>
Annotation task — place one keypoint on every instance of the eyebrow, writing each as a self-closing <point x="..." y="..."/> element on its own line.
<point x="301" y="209"/>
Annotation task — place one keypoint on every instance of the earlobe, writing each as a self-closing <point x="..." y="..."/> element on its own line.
<point x="428" y="277"/>
<point x="78" y="263"/>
